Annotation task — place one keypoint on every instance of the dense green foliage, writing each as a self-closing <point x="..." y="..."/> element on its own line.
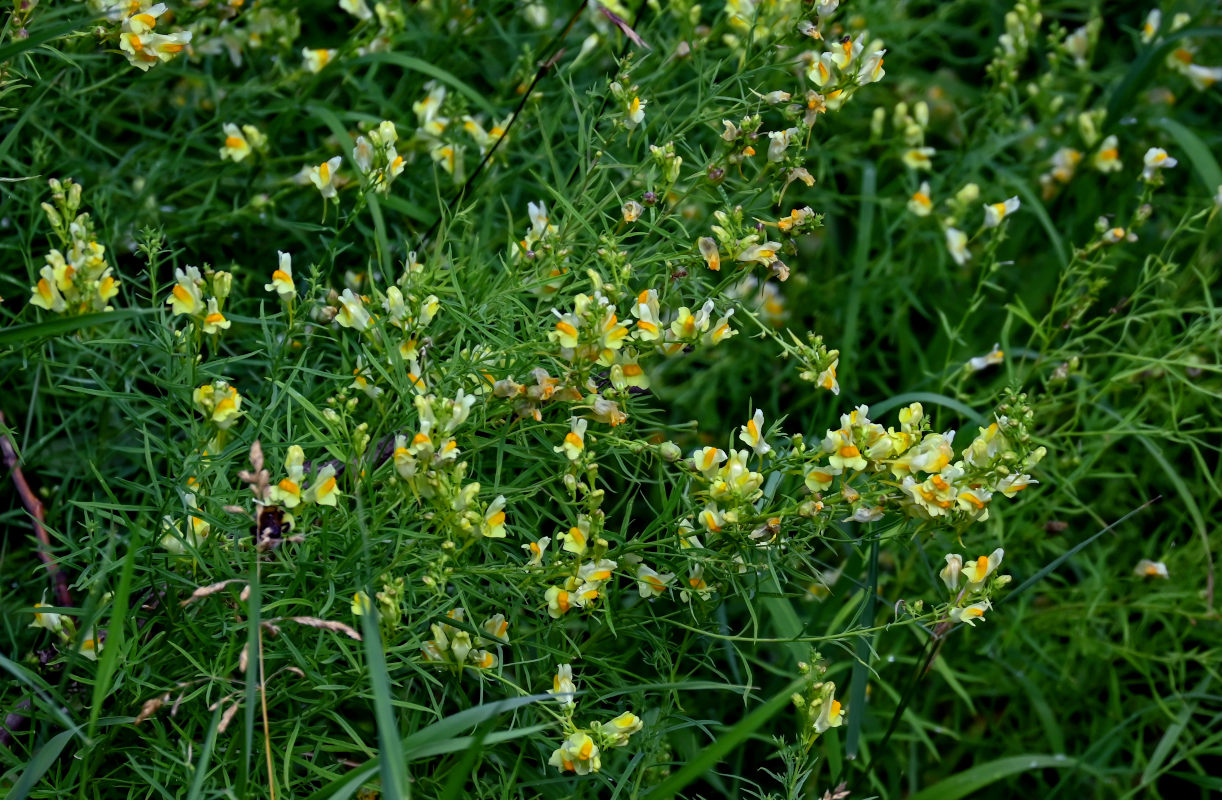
<point x="781" y="223"/>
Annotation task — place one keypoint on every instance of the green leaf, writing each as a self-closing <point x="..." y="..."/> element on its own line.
<point x="437" y="739"/>
<point x="425" y="68"/>
<point x="1122" y="99"/>
<point x="20" y="334"/>
<point x="1198" y="152"/>
<point x="719" y="748"/>
<point x="40" y="763"/>
<point x="976" y="778"/>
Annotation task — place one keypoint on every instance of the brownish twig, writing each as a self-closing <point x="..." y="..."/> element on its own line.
<point x="34" y="507"/>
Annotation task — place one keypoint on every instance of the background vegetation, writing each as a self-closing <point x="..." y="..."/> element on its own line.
<point x="1100" y="291"/>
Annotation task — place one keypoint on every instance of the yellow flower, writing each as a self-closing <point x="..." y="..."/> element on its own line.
<point x="1145" y="568"/>
<point x="994" y="356"/>
<point x="994" y="213"/>
<point x="288" y="491"/>
<point x="214" y="320"/>
<point x="651" y="583"/>
<point x="977" y="571"/>
<point x="493" y="526"/>
<point x="831" y="712"/>
<point x="919" y="158"/>
<point x="536" y="551"/>
<point x="315" y="60"/>
<point x="819" y="478"/>
<point x="236" y="146"/>
<point x="282" y="278"/>
<point x="707" y="460"/>
<point x="1107" y="159"/>
<point x="619" y="729"/>
<point x="577" y="754"/>
<point x="89" y="646"/>
<point x="577" y="539"/>
<point x="721" y="330"/>
<point x="956" y="243"/>
<point x="323" y="176"/>
<point x="323" y="489"/>
<point x="566" y="329"/>
<point x="970" y="614"/>
<point x="575" y="440"/>
<point x="220" y="403"/>
<point x="1156" y="159"/>
<point x="361" y="604"/>
<point x="627" y="372"/>
<point x="708" y="249"/>
<point x="185" y="297"/>
<point x="646" y="311"/>
<point x="497" y="627"/>
<point x="352" y="312"/>
<point x="46" y="294"/>
<point x="47" y="619"/>
<point x="636" y="112"/>
<point x="752" y="434"/>
<point x="558" y="602"/>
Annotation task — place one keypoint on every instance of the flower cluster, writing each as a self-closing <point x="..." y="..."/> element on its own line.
<point x="458" y="649"/>
<point x="818" y="708"/>
<point x="144" y="48"/>
<point x="291" y="491"/>
<point x="581" y="750"/>
<point x="428" y="464"/>
<point x="376" y="157"/>
<point x="187" y="298"/>
<point x="970" y="585"/>
<point x="77" y="279"/>
<point x="241" y="142"/>
<point x="88" y="643"/>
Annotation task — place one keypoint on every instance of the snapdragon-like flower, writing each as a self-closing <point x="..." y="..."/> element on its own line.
<point x="186" y="297"/>
<point x="323" y="176"/>
<point x="650" y="582"/>
<point x="1156" y="159"/>
<point x="994" y="213"/>
<point x="976" y="572"/>
<point x="315" y="60"/>
<point x="324" y="489"/>
<point x="577" y="754"/>
<point x="144" y="48"/>
<point x="709" y="251"/>
<point x="536" y="551"/>
<point x="708" y="460"/>
<point x="288" y="491"/>
<point x="575" y="440"/>
<point x="220" y="404"/>
<point x="919" y="158"/>
<point x="994" y="356"/>
<point x="752" y="434"/>
<point x="970" y="614"/>
<point x="214" y="320"/>
<point x="241" y="142"/>
<point x="282" y="278"/>
<point x="920" y="203"/>
<point x="352" y="312"/>
<point x="1151" y="569"/>
<point x="956" y="243"/>
<point x="577" y="538"/>
<point x="635" y="114"/>
<point x="1107" y="158"/>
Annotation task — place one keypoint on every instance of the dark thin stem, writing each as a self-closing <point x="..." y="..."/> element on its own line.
<point x="545" y="67"/>
<point x="38" y="518"/>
